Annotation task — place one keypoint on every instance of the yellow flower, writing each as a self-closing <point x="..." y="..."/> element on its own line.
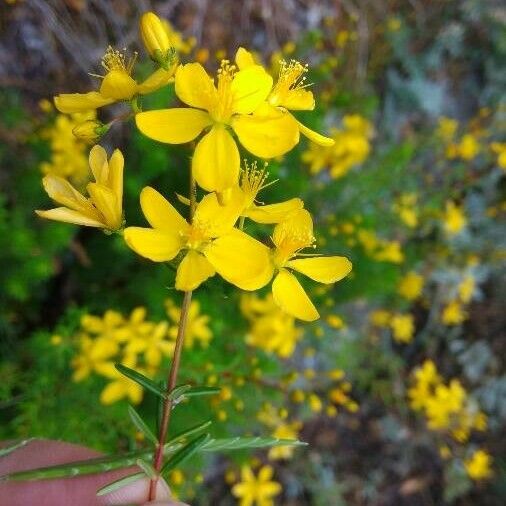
<point x="478" y="466"/>
<point x="446" y="128"/>
<point x="289" y="238"/>
<point x="117" y="84"/>
<point x="454" y="218"/>
<point x="197" y="324"/>
<point x="380" y="317"/>
<point x="156" y="40"/>
<point x="90" y="130"/>
<point x="315" y="403"/>
<point x="136" y="327"/>
<point x="453" y="314"/>
<point x="411" y="286"/>
<point x="499" y="148"/>
<point x="290" y="93"/>
<point x="403" y="327"/>
<point x="104" y="208"/>
<point x="210" y="241"/>
<point x="230" y="104"/>
<point x="154" y="345"/>
<point x="259" y="491"/>
<point x="468" y="147"/>
<point x="120" y="386"/>
<point x="466" y="289"/>
<point x="284" y="431"/>
<point x="93" y="354"/>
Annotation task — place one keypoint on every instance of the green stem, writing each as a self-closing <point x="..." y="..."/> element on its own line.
<point x="174" y="369"/>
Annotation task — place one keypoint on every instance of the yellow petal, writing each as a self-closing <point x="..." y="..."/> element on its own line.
<point x="113" y="392"/>
<point x="105" y="201"/>
<point x="161" y="214"/>
<point x="243" y="58"/>
<point x="194" y="87"/>
<point x="298" y="100"/>
<point x="322" y="269"/>
<point x="291" y="297"/>
<point x="294" y="233"/>
<point x="69" y="216"/>
<point x="118" y="85"/>
<point x="155" y="81"/>
<point x="218" y="219"/>
<point x="98" y="164"/>
<point x="241" y="260"/>
<point x="156" y="245"/>
<point x="216" y="160"/>
<point x="250" y="87"/>
<point x="69" y="103"/>
<point x="317" y="138"/>
<point x="267" y="135"/>
<point x="193" y="270"/>
<point x="61" y="191"/>
<point x="115" y="182"/>
<point x="274" y="213"/>
<point x="172" y="126"/>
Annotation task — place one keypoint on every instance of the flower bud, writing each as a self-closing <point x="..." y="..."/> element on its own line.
<point x="154" y="35"/>
<point x="90" y="131"/>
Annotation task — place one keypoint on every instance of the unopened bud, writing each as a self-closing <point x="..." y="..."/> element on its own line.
<point x="156" y="40"/>
<point x="90" y="131"/>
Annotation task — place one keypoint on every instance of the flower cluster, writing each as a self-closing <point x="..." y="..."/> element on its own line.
<point x="134" y="341"/>
<point x="351" y="147"/>
<point x="447" y="407"/>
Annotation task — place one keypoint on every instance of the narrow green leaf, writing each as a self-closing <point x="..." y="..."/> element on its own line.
<point x="140" y="379"/>
<point x="184" y="453"/>
<point x="178" y="392"/>
<point x="189" y="432"/>
<point x="115" y="485"/>
<point x="147" y="468"/>
<point x="241" y="443"/>
<point x="196" y="391"/>
<point x="14" y="446"/>
<point x="141" y="425"/>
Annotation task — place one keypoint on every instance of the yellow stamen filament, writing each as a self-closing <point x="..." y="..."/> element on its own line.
<point x="290" y="241"/>
<point x="291" y="77"/>
<point x="253" y="180"/>
<point x="222" y="109"/>
<point x="114" y="59"/>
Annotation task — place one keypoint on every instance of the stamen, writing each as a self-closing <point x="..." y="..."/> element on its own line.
<point x="115" y="59"/>
<point x="291" y="75"/>
<point x="253" y="179"/>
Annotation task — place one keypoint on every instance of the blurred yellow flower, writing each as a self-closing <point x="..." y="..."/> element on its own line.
<point x="154" y="345"/>
<point x="256" y="490"/>
<point x="403" y="327"/>
<point x="104" y="208"/>
<point x="120" y="386"/>
<point x="453" y="313"/>
<point x="411" y="285"/>
<point x="466" y="289"/>
<point x="197" y="324"/>
<point x="479" y="465"/>
<point x="454" y="219"/>
<point x="284" y="431"/>
<point x="499" y="148"/>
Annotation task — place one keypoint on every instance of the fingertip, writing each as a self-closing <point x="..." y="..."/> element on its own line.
<point x="136" y="493"/>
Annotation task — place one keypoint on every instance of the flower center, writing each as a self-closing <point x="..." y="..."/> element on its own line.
<point x="289" y="241"/>
<point x="253" y="181"/>
<point x="197" y="236"/>
<point x="222" y="107"/>
<point x="114" y="59"/>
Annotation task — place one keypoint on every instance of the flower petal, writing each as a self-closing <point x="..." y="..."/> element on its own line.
<point x="217" y="218"/>
<point x="317" y="138"/>
<point x="158" y="79"/>
<point x="216" y="161"/>
<point x="69" y="103"/>
<point x="322" y="269"/>
<point x="194" y="86"/>
<point x="98" y="164"/>
<point x="69" y="216"/>
<point x="193" y="270"/>
<point x="241" y="260"/>
<point x="118" y="85"/>
<point x="298" y="100"/>
<point x="244" y="59"/>
<point x="115" y="182"/>
<point x="113" y="392"/>
<point x="250" y="87"/>
<point x="291" y="297"/>
<point x="274" y="213"/>
<point x="62" y="192"/>
<point x="154" y="244"/>
<point x="267" y="135"/>
<point x="105" y="201"/>
<point x="172" y="126"/>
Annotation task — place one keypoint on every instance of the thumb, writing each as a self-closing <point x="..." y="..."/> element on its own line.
<point x="137" y="492"/>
